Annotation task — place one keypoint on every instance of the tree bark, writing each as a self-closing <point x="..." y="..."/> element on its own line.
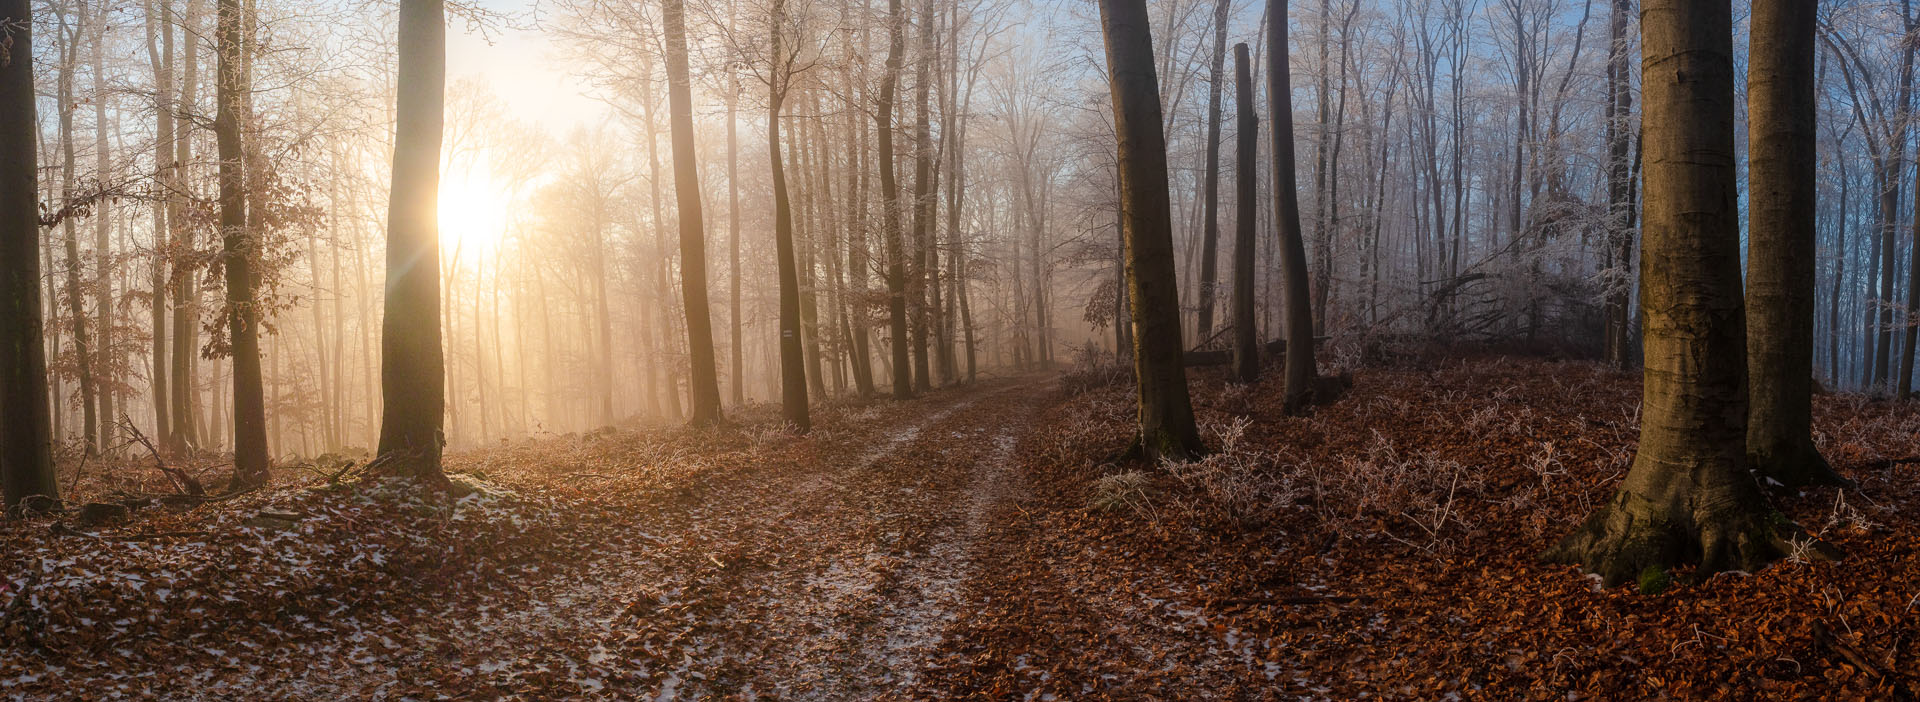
<point x="26" y="438"/>
<point x="160" y="56"/>
<point x="1618" y="258"/>
<point x="1293" y="250"/>
<point x="240" y="247"/>
<point x="1210" y="220"/>
<point x="704" y="380"/>
<point x="1166" y="421"/>
<point x="186" y="309"/>
<point x="1689" y="498"/>
<point x="890" y="207"/>
<point x="793" y="373"/>
<point x="412" y="365"/>
<point x="1246" y="343"/>
<point x="1782" y="134"/>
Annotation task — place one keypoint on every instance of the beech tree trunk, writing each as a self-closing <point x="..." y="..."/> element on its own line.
<point x="1210" y="220"/>
<point x="26" y="437"/>
<point x="186" y="309"/>
<point x="703" y="379"/>
<point x="1689" y="498"/>
<point x="412" y="365"/>
<point x="1246" y="165"/>
<point x="1167" y="426"/>
<point x="240" y="250"/>
<point x="923" y="201"/>
<point x="1781" y="121"/>
<point x="890" y="207"/>
<point x="160" y="56"/>
<point x="1293" y="249"/>
<point x="793" y="372"/>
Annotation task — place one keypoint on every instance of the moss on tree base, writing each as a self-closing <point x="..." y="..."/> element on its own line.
<point x="1629" y="538"/>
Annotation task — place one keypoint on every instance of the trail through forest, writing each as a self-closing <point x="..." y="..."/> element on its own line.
<point x="833" y="577"/>
<point x="980" y="543"/>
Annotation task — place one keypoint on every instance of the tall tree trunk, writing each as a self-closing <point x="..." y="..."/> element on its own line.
<point x="240" y="252"/>
<point x="858" y="255"/>
<point x="1246" y="164"/>
<point x="26" y="438"/>
<point x="412" y="367"/>
<point x="1210" y="220"/>
<point x="890" y="206"/>
<point x="83" y="349"/>
<point x="1167" y="426"/>
<point x="1293" y="250"/>
<point x="1689" y="498"/>
<point x="1782" y="134"/>
<point x="104" y="359"/>
<point x="793" y="374"/>
<point x="186" y="309"/>
<point x="160" y="56"/>
<point x="703" y="379"/>
<point x="736" y="344"/>
<point x="922" y="198"/>
<point x="1618" y="258"/>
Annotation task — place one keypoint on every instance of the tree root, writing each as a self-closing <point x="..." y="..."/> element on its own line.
<point x="1623" y="542"/>
<point x="1800" y="466"/>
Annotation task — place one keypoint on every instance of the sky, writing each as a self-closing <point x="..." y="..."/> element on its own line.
<point x="523" y="68"/>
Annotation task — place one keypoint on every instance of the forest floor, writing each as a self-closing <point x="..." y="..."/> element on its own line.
<point x="983" y="543"/>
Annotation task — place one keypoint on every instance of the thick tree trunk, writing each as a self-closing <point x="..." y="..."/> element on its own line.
<point x="1167" y="426"/>
<point x="412" y="365"/>
<point x="1781" y="128"/>
<point x="240" y="250"/>
<point x="703" y="379"/>
<point x="1689" y="498"/>
<point x="1210" y="220"/>
<point x="890" y="207"/>
<point x="1293" y="250"/>
<point x="1246" y="163"/>
<point x="26" y="438"/>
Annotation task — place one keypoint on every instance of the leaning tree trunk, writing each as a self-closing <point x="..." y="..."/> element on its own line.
<point x="240" y="251"/>
<point x="1246" y="164"/>
<point x="890" y="208"/>
<point x="412" y="367"/>
<point x="793" y="372"/>
<point x="26" y="437"/>
<point x="1781" y="118"/>
<point x="1167" y="427"/>
<point x="1293" y="250"/>
<point x="1210" y="218"/>
<point x="1689" y="498"/>
<point x="703" y="379"/>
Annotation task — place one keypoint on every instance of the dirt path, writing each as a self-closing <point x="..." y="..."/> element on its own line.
<point x="830" y="579"/>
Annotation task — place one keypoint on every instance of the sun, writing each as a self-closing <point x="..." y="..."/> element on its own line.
<point x="473" y="213"/>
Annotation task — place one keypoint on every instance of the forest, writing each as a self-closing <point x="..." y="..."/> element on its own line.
<point x="959" y="349"/>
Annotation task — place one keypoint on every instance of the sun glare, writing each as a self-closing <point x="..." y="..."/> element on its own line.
<point x="473" y="213"/>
